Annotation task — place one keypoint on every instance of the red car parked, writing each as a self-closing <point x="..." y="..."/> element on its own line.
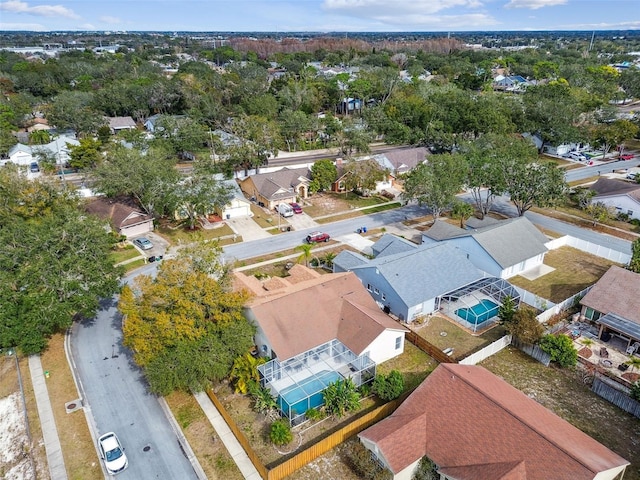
<point x="316" y="237"/>
<point x="626" y="156"/>
<point x="296" y="208"/>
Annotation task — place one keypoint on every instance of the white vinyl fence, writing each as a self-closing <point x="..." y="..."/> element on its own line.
<point x="487" y="351"/>
<point x="592" y="248"/>
<point x="564" y="305"/>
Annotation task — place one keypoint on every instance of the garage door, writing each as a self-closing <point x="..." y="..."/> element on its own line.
<point x="135" y="230"/>
<point x="241" y="211"/>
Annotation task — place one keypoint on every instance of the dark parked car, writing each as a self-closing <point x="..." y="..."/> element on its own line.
<point x="296" y="208"/>
<point x="315" y="237"/>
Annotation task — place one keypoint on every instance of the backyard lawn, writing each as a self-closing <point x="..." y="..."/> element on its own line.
<point x="563" y="392"/>
<point x="444" y="333"/>
<point x="574" y="271"/>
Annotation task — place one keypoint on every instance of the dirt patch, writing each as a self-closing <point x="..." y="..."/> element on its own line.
<point x="563" y="392"/>
<point x="632" y="377"/>
<point x="585" y="352"/>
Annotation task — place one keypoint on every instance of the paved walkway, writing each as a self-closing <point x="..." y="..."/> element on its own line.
<point x="52" y="446"/>
<point x="228" y="439"/>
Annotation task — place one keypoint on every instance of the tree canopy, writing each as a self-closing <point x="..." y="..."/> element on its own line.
<point x="185" y="326"/>
<point x="54" y="262"/>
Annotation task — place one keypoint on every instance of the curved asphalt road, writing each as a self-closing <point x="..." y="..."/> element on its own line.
<point x="118" y="399"/>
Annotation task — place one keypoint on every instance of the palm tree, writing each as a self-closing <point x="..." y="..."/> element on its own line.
<point x="633" y="362"/>
<point x="328" y="259"/>
<point x="305" y="253"/>
<point x="462" y="211"/>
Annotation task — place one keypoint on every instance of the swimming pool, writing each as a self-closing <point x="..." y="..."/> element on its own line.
<point x="479" y="313"/>
<point x="297" y="399"/>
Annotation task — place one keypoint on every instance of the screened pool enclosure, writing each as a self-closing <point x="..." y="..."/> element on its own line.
<point x="475" y="306"/>
<point x="298" y="382"/>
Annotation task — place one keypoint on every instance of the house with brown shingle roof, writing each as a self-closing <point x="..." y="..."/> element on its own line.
<point x="614" y="304"/>
<point x="123" y="216"/>
<point x="117" y="124"/>
<point x="316" y="331"/>
<point x="282" y="186"/>
<point x="475" y="426"/>
<point x="621" y="195"/>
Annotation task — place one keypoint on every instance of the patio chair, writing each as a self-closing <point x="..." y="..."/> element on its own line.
<point x="604" y="353"/>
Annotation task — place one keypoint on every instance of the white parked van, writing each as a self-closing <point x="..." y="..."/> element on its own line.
<point x="285" y="210"/>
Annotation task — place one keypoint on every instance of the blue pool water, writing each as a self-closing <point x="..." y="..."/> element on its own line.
<point x="307" y="393"/>
<point x="479" y="313"/>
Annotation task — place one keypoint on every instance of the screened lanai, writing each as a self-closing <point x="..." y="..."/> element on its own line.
<point x="298" y="382"/>
<point x="475" y="306"/>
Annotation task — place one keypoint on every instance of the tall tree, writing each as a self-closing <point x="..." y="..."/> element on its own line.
<point x="200" y="195"/>
<point x="185" y="326"/>
<point x="323" y="174"/>
<point x="54" y="262"/>
<point x="530" y="184"/>
<point x="634" y="263"/>
<point x="436" y="183"/>
<point x="362" y="175"/>
<point x="150" y="177"/>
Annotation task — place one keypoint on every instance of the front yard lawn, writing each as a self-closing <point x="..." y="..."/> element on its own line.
<point x="180" y="234"/>
<point x="574" y="271"/>
<point x="563" y="392"/>
<point x="328" y="203"/>
<point x="121" y="254"/>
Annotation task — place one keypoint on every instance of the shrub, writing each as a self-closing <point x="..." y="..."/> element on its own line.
<point x="561" y="349"/>
<point x="341" y="397"/>
<point x="314" y="414"/>
<point x="426" y="470"/>
<point x="388" y="387"/>
<point x="363" y="464"/>
<point x="635" y="391"/>
<point x="280" y="433"/>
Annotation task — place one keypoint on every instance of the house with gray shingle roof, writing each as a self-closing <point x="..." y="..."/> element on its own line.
<point x="502" y="249"/>
<point x="117" y="124"/>
<point x="282" y="186"/>
<point x="58" y="148"/>
<point x="409" y="283"/>
<point x="620" y="195"/>
<point x="475" y="426"/>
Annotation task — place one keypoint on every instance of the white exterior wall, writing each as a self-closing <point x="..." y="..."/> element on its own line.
<point x="424" y="308"/>
<point x="21" y="158"/>
<point x="528" y="264"/>
<point x="622" y="204"/>
<point x="407" y="473"/>
<point x="609" y="474"/>
<point x="383" y="348"/>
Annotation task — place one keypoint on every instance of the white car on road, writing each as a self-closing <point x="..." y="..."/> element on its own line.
<point x="112" y="453"/>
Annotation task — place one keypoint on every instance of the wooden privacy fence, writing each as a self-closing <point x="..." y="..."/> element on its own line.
<point x="242" y="439"/>
<point x="314" y="451"/>
<point x="431" y="350"/>
<point x="617" y="397"/>
<point x="298" y="461"/>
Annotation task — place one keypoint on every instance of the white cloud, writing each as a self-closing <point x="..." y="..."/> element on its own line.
<point x="16" y="6"/>
<point x="109" y="19"/>
<point x="534" y="4"/>
<point x="375" y="8"/>
<point x="30" y="27"/>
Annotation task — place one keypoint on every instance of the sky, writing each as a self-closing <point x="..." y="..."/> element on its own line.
<point x="318" y="15"/>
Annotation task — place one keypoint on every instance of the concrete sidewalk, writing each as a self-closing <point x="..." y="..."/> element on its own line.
<point x="52" y="446"/>
<point x="224" y="432"/>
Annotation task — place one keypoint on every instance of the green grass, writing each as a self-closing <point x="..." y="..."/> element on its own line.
<point x="123" y="254"/>
<point x="444" y="333"/>
<point x="180" y="234"/>
<point x="574" y="271"/>
<point x="414" y="365"/>
<point x="130" y="267"/>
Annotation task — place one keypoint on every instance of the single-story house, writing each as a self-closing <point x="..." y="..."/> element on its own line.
<point x="614" y="304"/>
<point x="21" y="154"/>
<point x="274" y="188"/>
<point x="475" y="426"/>
<point x="412" y="281"/>
<point x="316" y="329"/>
<point x="511" y="83"/>
<point x="38" y="124"/>
<point x="502" y="249"/>
<point x="238" y="206"/>
<point x="117" y="124"/>
<point x="123" y="216"/>
<point x="620" y="195"/>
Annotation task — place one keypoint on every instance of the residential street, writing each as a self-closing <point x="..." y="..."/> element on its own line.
<point x="116" y="395"/>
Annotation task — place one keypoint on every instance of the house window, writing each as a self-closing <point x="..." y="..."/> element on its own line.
<point x="630" y="212"/>
<point x="376" y="291"/>
<point x="592" y="314"/>
<point x="369" y="287"/>
<point x="384" y="297"/>
<point x="398" y="343"/>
